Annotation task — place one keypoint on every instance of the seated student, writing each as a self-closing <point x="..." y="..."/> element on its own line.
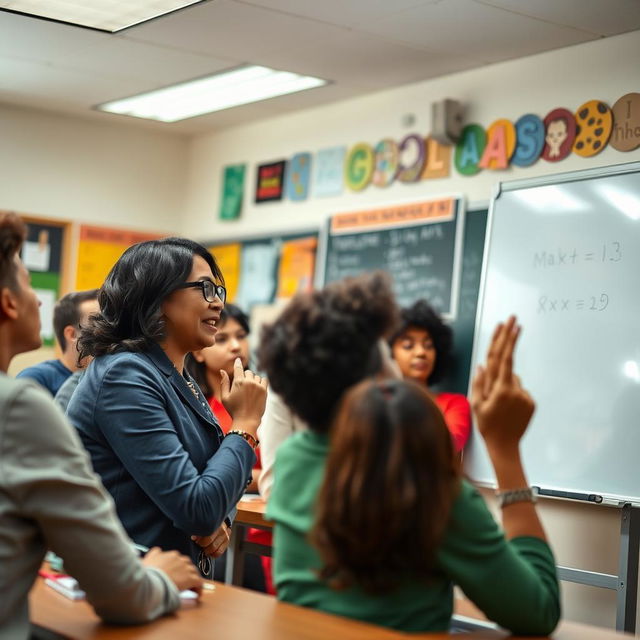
<point x="174" y="475"/>
<point x="69" y="314"/>
<point x="50" y="497"/>
<point x="422" y="348"/>
<point x="232" y="342"/>
<point x="405" y="527"/>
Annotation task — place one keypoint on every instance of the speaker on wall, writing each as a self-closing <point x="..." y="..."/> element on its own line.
<point x="446" y="121"/>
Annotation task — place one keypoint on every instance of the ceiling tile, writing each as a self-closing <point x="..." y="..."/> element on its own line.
<point x="51" y="83"/>
<point x="465" y="26"/>
<point x="367" y="61"/>
<point x="33" y="39"/>
<point x="157" y="65"/>
<point x="603" y="18"/>
<point x="230" y="30"/>
<point x="339" y="12"/>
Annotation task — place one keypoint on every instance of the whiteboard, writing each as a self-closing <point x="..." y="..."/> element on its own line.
<point x="563" y="254"/>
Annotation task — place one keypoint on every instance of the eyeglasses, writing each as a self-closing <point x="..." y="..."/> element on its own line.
<point x="209" y="290"/>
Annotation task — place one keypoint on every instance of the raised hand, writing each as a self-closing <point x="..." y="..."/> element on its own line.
<point x="502" y="407"/>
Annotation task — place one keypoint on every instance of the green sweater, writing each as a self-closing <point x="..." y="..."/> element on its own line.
<point x="513" y="582"/>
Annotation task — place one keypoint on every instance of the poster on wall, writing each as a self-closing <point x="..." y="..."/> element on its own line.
<point x="328" y="180"/>
<point x="270" y="182"/>
<point x="297" y="266"/>
<point x="99" y="249"/>
<point x="257" y="273"/>
<point x="228" y="257"/>
<point x="232" y="192"/>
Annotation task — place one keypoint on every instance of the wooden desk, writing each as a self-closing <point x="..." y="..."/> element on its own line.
<point x="240" y="614"/>
<point x="250" y="513"/>
<point x="231" y="612"/>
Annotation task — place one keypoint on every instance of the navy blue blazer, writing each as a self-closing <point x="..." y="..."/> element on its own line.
<point x="158" y="449"/>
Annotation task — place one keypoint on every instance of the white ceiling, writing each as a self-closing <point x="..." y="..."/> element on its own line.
<point x="361" y="46"/>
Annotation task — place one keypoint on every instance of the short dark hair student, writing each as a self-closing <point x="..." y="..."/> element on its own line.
<point x="354" y="493"/>
<point x="174" y="475"/>
<point x="50" y="498"/>
<point x="422" y="346"/>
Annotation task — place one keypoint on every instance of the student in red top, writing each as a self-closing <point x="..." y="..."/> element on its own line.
<point x="422" y="348"/>
<point x="232" y="341"/>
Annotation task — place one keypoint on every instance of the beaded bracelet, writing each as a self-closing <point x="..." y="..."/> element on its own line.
<point x="251" y="440"/>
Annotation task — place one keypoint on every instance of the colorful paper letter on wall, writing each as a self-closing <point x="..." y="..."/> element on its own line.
<point x="270" y="181"/>
<point x="232" y="192"/>
<point x="328" y="180"/>
<point x="298" y="175"/>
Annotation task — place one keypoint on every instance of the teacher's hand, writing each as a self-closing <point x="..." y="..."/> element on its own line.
<point x="502" y="407"/>
<point x="216" y="543"/>
<point x="245" y="398"/>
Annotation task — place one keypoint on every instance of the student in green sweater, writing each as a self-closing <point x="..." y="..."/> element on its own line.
<point x="372" y="519"/>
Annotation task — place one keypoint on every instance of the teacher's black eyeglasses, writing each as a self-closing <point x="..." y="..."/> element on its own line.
<point x="209" y="290"/>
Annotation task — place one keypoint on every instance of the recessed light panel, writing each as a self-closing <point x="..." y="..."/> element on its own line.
<point x="212" y="93"/>
<point x="105" y="15"/>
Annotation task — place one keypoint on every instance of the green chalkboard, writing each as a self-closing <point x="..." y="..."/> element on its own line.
<point x="422" y="259"/>
<point x="464" y="323"/>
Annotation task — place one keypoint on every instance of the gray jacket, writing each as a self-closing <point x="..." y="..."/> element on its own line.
<point x="51" y="499"/>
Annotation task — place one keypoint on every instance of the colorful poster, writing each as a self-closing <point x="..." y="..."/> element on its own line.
<point x="232" y="192"/>
<point x="270" y="181"/>
<point x="298" y="174"/>
<point x="99" y="249"/>
<point x="228" y="258"/>
<point x="257" y="274"/>
<point x="297" y="265"/>
<point x="328" y="179"/>
<point x="47" y="288"/>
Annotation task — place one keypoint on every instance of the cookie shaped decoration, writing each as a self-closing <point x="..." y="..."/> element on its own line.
<point x="560" y="132"/>
<point x="626" y="119"/>
<point x="594" y="123"/>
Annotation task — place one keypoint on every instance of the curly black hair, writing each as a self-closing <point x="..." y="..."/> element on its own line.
<point x="326" y="341"/>
<point x="131" y="297"/>
<point x="422" y="316"/>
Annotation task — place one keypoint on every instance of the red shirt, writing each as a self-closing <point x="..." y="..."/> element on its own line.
<point x="457" y="414"/>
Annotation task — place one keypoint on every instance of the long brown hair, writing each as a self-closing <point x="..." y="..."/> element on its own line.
<point x="389" y="485"/>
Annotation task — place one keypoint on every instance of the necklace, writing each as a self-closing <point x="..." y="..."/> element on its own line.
<point x="193" y="388"/>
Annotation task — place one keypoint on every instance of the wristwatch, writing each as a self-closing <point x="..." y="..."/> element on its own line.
<point x="526" y="494"/>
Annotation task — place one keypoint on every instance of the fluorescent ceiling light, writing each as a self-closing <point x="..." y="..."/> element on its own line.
<point x="213" y="93"/>
<point x="105" y="15"/>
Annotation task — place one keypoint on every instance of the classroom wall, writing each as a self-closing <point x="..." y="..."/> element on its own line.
<point x="604" y="69"/>
<point x="78" y="169"/>
<point x="584" y="536"/>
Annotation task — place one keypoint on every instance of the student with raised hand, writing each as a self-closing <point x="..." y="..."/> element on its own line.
<point x="422" y="346"/>
<point x="50" y="497"/>
<point x="372" y="520"/>
<point x="174" y="475"/>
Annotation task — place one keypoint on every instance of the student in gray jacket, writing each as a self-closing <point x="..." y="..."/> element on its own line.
<point x="50" y="497"/>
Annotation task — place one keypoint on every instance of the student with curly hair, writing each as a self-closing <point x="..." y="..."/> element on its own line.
<point x="372" y="520"/>
<point x="422" y="348"/>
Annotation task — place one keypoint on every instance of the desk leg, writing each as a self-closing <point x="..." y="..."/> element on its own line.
<point x="234" y="570"/>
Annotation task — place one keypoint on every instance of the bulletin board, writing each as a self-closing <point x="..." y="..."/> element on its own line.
<point x="45" y="253"/>
<point x="266" y="269"/>
<point x="99" y="249"/>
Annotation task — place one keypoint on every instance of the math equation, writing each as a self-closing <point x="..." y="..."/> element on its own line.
<point x="549" y="304"/>
<point x="608" y="252"/>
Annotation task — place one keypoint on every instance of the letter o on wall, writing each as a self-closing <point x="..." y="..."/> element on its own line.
<point x="358" y="167"/>
<point x="412" y="172"/>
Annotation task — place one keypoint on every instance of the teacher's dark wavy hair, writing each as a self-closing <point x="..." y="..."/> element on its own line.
<point x="130" y="299"/>
<point x="388" y="489"/>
